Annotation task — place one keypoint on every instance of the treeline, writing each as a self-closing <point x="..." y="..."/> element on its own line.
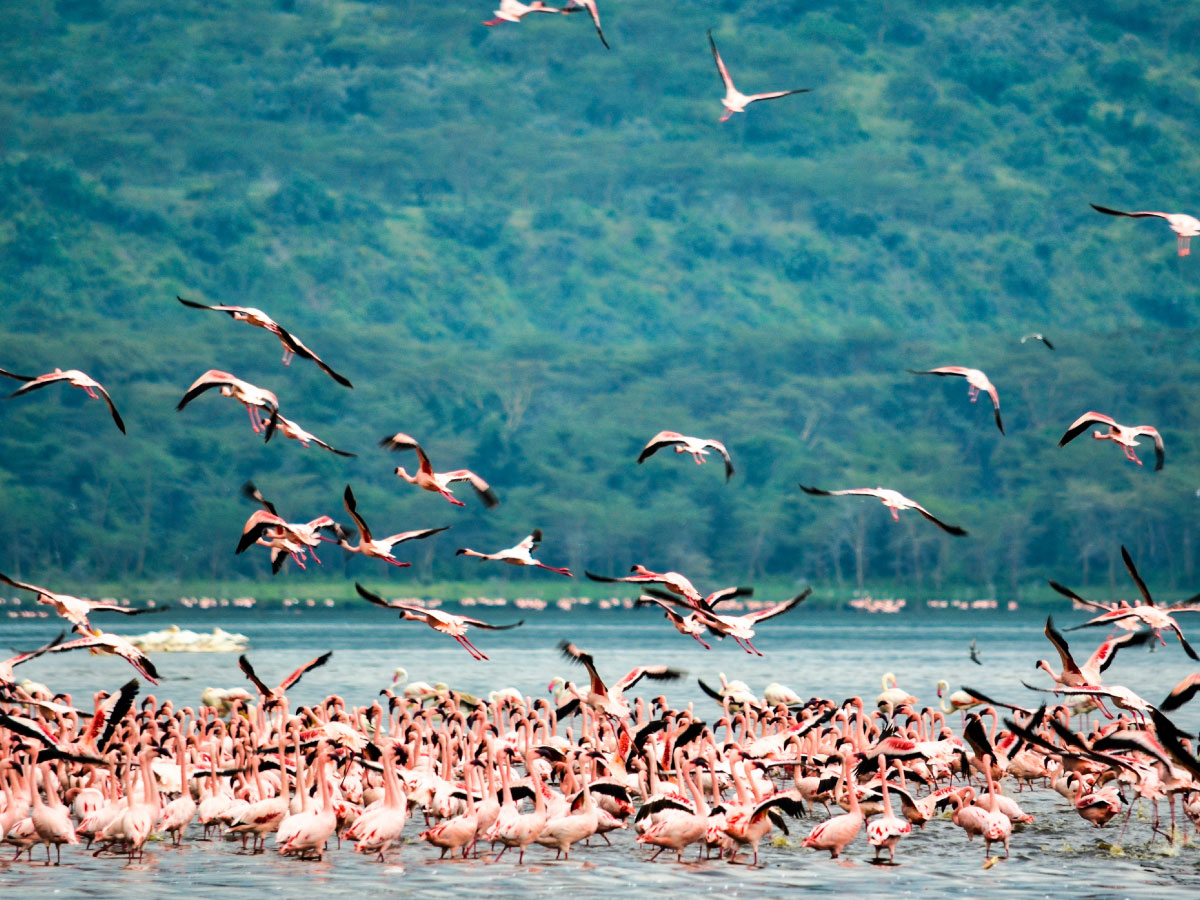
<point x="533" y="254"/>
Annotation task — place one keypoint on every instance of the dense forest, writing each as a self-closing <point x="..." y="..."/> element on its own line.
<point x="532" y="254"/>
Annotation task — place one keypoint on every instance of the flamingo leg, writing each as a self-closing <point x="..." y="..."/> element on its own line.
<point x="470" y="646"/>
<point x="451" y="498"/>
<point x="94" y="396"/>
<point x="395" y="562"/>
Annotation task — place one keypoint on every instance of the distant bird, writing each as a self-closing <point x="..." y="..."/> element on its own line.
<point x="977" y="381"/>
<point x="520" y="555"/>
<point x="73" y="377"/>
<point x="974" y="652"/>
<point x="290" y="429"/>
<point x="292" y="346"/>
<point x="444" y="622"/>
<point x="515" y="11"/>
<point x="275" y="696"/>
<point x="74" y="609"/>
<point x="381" y="548"/>
<point x="252" y="397"/>
<point x="1125" y="435"/>
<point x="1036" y="336"/>
<point x="734" y="100"/>
<point x="438" y="483"/>
<point x="590" y="6"/>
<point x="673" y="581"/>
<point x="893" y="500"/>
<point x="698" y="447"/>
<point x="1185" y="227"/>
<point x="740" y="628"/>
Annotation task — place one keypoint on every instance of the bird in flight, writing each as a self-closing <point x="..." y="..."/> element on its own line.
<point x="977" y="381"/>
<point x="73" y="377"/>
<point x="1038" y="336"/>
<point x="734" y="100"/>
<point x="437" y="482"/>
<point x="1125" y="435"/>
<point x="520" y="555"/>
<point x="698" y="447"/>
<point x="893" y="500"/>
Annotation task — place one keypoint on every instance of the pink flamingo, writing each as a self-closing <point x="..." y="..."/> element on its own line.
<point x="520" y="555"/>
<point x="734" y="100"/>
<point x="52" y="820"/>
<point x="977" y="380"/>
<point x="380" y="548"/>
<point x="437" y="482"/>
<point x="893" y="500"/>
<point x="251" y="396"/>
<point x="73" y="377"/>
<point x="515" y="11"/>
<point x="1185" y="227"/>
<point x="886" y="831"/>
<point x="698" y="447"/>
<point x="836" y="834"/>
<point x="443" y="622"/>
<point x="1125" y="435"/>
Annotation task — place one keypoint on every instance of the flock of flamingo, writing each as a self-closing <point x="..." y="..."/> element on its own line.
<point x="478" y="776"/>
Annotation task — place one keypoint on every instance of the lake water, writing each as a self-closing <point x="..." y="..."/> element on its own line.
<point x="816" y="653"/>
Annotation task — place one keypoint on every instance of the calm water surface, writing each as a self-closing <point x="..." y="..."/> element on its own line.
<point x="816" y="653"/>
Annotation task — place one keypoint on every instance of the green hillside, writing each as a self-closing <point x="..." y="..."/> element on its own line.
<point x="533" y="254"/>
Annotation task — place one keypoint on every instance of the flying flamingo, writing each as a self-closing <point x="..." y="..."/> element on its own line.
<point x="252" y="397"/>
<point x="515" y="11"/>
<point x="444" y="622"/>
<point x="1125" y="435"/>
<point x="1185" y="227"/>
<point x="611" y="701"/>
<point x="520" y="555"/>
<point x="292" y="346"/>
<point x="106" y="642"/>
<point x="7" y="678"/>
<point x="74" y="609"/>
<point x="439" y="482"/>
<point x="698" y="447"/>
<point x="734" y="100"/>
<point x="672" y="581"/>
<point x="1102" y="657"/>
<point x="1037" y="336"/>
<point x="740" y="628"/>
<point x="73" y="377"/>
<point x="266" y="528"/>
<point x="590" y="6"/>
<point x="277" y="695"/>
<point x="290" y="429"/>
<point x="977" y="381"/>
<point x="377" y="548"/>
<point x="893" y="500"/>
<point x="692" y="625"/>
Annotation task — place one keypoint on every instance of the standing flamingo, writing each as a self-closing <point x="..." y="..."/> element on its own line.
<point x="836" y="834"/>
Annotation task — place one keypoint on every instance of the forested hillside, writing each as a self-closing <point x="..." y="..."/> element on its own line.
<point x="532" y="254"/>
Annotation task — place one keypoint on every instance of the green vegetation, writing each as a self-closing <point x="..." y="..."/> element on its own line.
<point x="533" y="254"/>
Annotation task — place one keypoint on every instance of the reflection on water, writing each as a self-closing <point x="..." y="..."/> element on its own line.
<point x="815" y="653"/>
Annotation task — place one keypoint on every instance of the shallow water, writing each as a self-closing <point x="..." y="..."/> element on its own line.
<point x="815" y="653"/>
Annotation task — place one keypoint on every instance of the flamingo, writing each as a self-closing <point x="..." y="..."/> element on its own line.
<point x="893" y="696"/>
<point x="292" y="346"/>
<point x="75" y="378"/>
<point x="520" y="555"/>
<point x="51" y="820"/>
<point x="178" y="814"/>
<point x="290" y="429"/>
<point x="740" y="628"/>
<point x="692" y="625"/>
<point x="438" y="620"/>
<point x="515" y="11"/>
<point x="611" y="701"/>
<point x="1074" y="675"/>
<point x="893" y="500"/>
<point x="277" y="696"/>
<point x="672" y="581"/>
<point x="1037" y="336"/>
<point x="1185" y="227"/>
<point x="7" y="678"/>
<point x="106" y="642"/>
<point x="698" y="447"/>
<point x="292" y="538"/>
<point x="512" y="829"/>
<point x="309" y="830"/>
<point x="592" y="10"/>
<point x="734" y="100"/>
<point x="1125" y="435"/>
<point x="836" y="834"/>
<point x="977" y="380"/>
<point x="437" y="482"/>
<point x="886" y="831"/>
<point x="251" y="396"/>
<point x="381" y="548"/>
<point x="75" y="609"/>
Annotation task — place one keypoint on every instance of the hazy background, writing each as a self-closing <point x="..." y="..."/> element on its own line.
<point x="533" y="254"/>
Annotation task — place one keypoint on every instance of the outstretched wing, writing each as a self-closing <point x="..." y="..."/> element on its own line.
<point x="14" y="375"/>
<point x="244" y="665"/>
<point x="298" y="347"/>
<point x="210" y="379"/>
<point x="1137" y="579"/>
<point x="780" y="608"/>
<point x="1080" y="425"/>
<point x="1131" y="215"/>
<point x="720" y="64"/>
<point x="772" y="95"/>
<point x="307" y="667"/>
<point x="352" y="508"/>
<point x="255" y="526"/>
<point x="374" y="598"/>
<point x="571" y="652"/>
<point x="112" y="717"/>
<point x="486" y="494"/>
<point x="418" y="535"/>
<point x="256" y="495"/>
<point x="479" y="623"/>
<point x="402" y="441"/>
<point x="1060" y="644"/>
<point x="111" y="407"/>
<point x="660" y="440"/>
<point x="949" y="529"/>
<point x="654" y="673"/>
<point x="720" y="448"/>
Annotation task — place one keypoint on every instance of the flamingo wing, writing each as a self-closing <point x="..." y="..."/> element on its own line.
<point x="254" y="494"/>
<point x="40" y="382"/>
<point x="352" y="508"/>
<point x="1172" y="740"/>
<point x="375" y="598"/>
<point x="307" y="667"/>
<point x="728" y="593"/>
<point x="961" y="371"/>
<point x="1115" y="615"/>
<point x="1132" y="215"/>
<point x="949" y="529"/>
<point x="531" y="542"/>
<point x="1187" y="648"/>
<point x="779" y="608"/>
<point x="479" y="623"/>
<point x="1181" y="693"/>
<point x="590" y="6"/>
<point x="720" y="448"/>
<point x="849" y="492"/>
<point x="720" y="64"/>
<point x="401" y="441"/>
<point x="26" y="587"/>
<point x="482" y="488"/>
<point x="298" y="347"/>
<point x="1067" y="592"/>
<point x="1159" y="450"/>
<point x="772" y="95"/>
<point x="244" y="665"/>
<point x="1060" y="644"/>
<point x="230" y="311"/>
<point x="109" y="718"/>
<point x="210" y="379"/>
<point x="994" y="394"/>
<point x="418" y="535"/>
<point x="660" y="440"/>
<point x="1137" y="579"/>
<point x="654" y="673"/>
<point x="1104" y="655"/>
<point x="258" y="523"/>
<point x="14" y="375"/>
<point x="1080" y="425"/>
<point x="573" y="653"/>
